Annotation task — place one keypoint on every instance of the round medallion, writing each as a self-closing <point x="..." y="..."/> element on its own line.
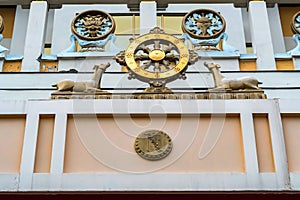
<point x="157" y="56"/>
<point x="203" y="24"/>
<point x="153" y="145"/>
<point x="1" y="24"/>
<point x="295" y="23"/>
<point x="93" y="25"/>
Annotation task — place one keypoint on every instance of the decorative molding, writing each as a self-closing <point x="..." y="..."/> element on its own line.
<point x="213" y="94"/>
<point x="203" y="24"/>
<point x="93" y="25"/>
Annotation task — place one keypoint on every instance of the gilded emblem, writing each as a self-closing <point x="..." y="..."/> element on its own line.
<point x="157" y="58"/>
<point x="1" y="24"/>
<point x="295" y="23"/>
<point x="203" y="24"/>
<point x="153" y="145"/>
<point x="93" y="25"/>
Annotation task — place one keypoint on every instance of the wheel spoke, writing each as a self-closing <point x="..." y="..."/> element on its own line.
<point x="156" y="45"/>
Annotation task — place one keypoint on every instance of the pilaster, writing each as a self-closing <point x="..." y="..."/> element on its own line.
<point x="35" y="36"/>
<point x="261" y="35"/>
<point x="19" y="31"/>
<point x="147" y="16"/>
<point x="276" y="30"/>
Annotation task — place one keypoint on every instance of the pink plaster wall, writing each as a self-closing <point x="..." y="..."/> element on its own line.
<point x="104" y="143"/>
<point x="291" y="129"/>
<point x="11" y="142"/>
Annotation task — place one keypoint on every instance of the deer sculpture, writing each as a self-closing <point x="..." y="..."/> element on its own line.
<point x="93" y="85"/>
<point x="221" y="82"/>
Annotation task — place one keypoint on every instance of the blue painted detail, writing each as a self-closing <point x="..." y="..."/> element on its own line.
<point x="210" y="42"/>
<point x="78" y="55"/>
<point x="14" y="57"/>
<point x="218" y="54"/>
<point x="2" y="48"/>
<point x="112" y="46"/>
<point x="191" y="23"/>
<point x="82" y="55"/>
<point x="248" y="56"/>
<point x="49" y="57"/>
<point x="95" y="43"/>
<point x="72" y="48"/>
<point x="225" y="46"/>
<point x="282" y="55"/>
<point x="296" y="50"/>
<point x="297" y="23"/>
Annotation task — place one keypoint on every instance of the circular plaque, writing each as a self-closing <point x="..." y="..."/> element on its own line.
<point x="295" y="23"/>
<point x="153" y="145"/>
<point x="93" y="25"/>
<point x="203" y="24"/>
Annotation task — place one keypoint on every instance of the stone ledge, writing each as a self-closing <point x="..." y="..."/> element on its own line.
<point x="211" y="94"/>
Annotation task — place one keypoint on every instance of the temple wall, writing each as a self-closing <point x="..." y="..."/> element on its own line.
<point x="236" y="145"/>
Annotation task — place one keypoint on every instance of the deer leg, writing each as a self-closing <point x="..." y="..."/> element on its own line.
<point x="250" y="86"/>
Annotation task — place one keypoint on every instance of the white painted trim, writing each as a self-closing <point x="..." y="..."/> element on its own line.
<point x="296" y="62"/>
<point x="9" y="182"/>
<point x="58" y="146"/>
<point x="261" y="35"/>
<point x="29" y="149"/>
<point x="289" y="106"/>
<point x="276" y="29"/>
<point x="125" y="106"/>
<point x="147" y="16"/>
<point x="35" y="36"/>
<point x="159" y="182"/>
<point x="295" y="180"/>
<point x="58" y="149"/>
<point x="19" y="30"/>
<point x="250" y="152"/>
<point x="278" y="145"/>
<point x="9" y="107"/>
<point x="120" y="80"/>
<point x="56" y="180"/>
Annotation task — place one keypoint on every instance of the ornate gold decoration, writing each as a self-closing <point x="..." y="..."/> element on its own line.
<point x="93" y="25"/>
<point x="203" y="24"/>
<point x="295" y="23"/>
<point x="1" y="24"/>
<point x="157" y="58"/>
<point x="153" y="145"/>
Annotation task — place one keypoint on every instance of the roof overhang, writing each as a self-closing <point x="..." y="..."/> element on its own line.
<point x="134" y="4"/>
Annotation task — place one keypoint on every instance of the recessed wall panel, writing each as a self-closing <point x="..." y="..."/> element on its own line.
<point x="201" y="143"/>
<point x="12" y="129"/>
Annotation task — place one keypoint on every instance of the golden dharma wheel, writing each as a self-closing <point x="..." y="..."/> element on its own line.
<point x="157" y="56"/>
<point x="93" y="25"/>
<point x="203" y="24"/>
<point x="295" y="23"/>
